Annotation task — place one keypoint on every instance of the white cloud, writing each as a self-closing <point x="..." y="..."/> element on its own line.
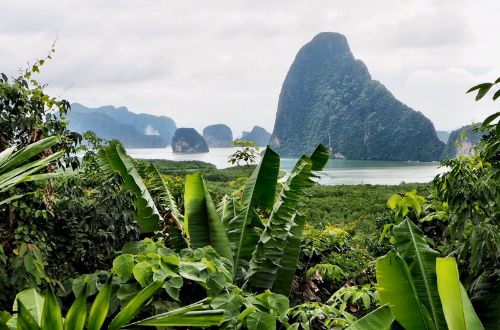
<point x="224" y="61"/>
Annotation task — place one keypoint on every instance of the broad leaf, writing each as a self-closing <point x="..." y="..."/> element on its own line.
<point x="458" y="310"/>
<point x="115" y="159"/>
<point x="195" y="315"/>
<point x="288" y="264"/>
<point x="258" y="192"/>
<point x="100" y="307"/>
<point x="134" y="305"/>
<point x="24" y="319"/>
<point x="259" y="320"/>
<point x="380" y="319"/>
<point x="77" y="314"/>
<point x="268" y="254"/>
<point x="201" y="220"/>
<point x="395" y="287"/>
<point x="421" y="261"/>
<point x="33" y="302"/>
<point x="51" y="315"/>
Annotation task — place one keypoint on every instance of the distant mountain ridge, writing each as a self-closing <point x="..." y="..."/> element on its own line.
<point x="329" y="97"/>
<point x="133" y="130"/>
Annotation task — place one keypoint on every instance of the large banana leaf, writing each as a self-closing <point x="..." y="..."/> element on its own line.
<point x="421" y="261"/>
<point x="77" y="314"/>
<point x="51" y="315"/>
<point x="458" y="310"/>
<point x="133" y="306"/>
<point x="100" y="307"/>
<point x="157" y="183"/>
<point x="259" y="191"/>
<point x="380" y="319"/>
<point x="201" y="220"/>
<point x="15" y="165"/>
<point x="114" y="158"/>
<point x="32" y="301"/>
<point x="396" y="288"/>
<point x="195" y="315"/>
<point x="268" y="254"/>
<point x="288" y="264"/>
<point x="10" y="158"/>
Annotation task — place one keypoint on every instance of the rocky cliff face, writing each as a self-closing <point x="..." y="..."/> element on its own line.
<point x="329" y="97"/>
<point x="258" y="134"/>
<point x="218" y="136"/>
<point x="461" y="142"/>
<point x="188" y="140"/>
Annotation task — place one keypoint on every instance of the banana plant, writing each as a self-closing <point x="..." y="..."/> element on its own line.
<point x="264" y="252"/>
<point x="35" y="311"/>
<point x="16" y="165"/>
<point x="114" y="159"/>
<point x="422" y="290"/>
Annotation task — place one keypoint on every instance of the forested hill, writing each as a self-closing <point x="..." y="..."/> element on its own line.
<point x="462" y="141"/>
<point x="329" y="97"/>
<point x="133" y="130"/>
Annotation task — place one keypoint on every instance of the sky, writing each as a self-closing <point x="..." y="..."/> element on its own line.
<point x="206" y="62"/>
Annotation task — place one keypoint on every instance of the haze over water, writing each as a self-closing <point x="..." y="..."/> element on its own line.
<point x="337" y="171"/>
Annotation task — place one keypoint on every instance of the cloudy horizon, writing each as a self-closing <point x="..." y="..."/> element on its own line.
<point x="226" y="62"/>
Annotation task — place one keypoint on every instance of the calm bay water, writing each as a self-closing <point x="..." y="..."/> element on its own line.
<point x="337" y="171"/>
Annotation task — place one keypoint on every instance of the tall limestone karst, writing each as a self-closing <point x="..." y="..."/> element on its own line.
<point x="462" y="141"/>
<point x="218" y="136"/>
<point x="329" y="97"/>
<point x="258" y="135"/>
<point x="188" y="140"/>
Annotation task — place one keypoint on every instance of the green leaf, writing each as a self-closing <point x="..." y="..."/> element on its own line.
<point x="115" y="159"/>
<point x="33" y="302"/>
<point x="259" y="320"/>
<point x="230" y="302"/>
<point x="482" y="89"/>
<point x="77" y="314"/>
<point x="288" y="264"/>
<point x="194" y="315"/>
<point x="270" y="249"/>
<point x="24" y="319"/>
<point x="396" y="288"/>
<point x="100" y="307"/>
<point x="421" y="261"/>
<point x="123" y="266"/>
<point x="189" y="319"/>
<point x="51" y="315"/>
<point x="23" y="155"/>
<point x="258" y="192"/>
<point x="380" y="319"/>
<point x="496" y="95"/>
<point x="491" y="118"/>
<point x="458" y="310"/>
<point x="143" y="273"/>
<point x="201" y="220"/>
<point x="134" y="305"/>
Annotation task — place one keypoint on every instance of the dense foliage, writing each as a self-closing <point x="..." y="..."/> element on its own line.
<point x="329" y="97"/>
<point x="118" y="242"/>
<point x="462" y="141"/>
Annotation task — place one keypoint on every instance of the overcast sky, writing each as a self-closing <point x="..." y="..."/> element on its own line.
<point x="206" y="62"/>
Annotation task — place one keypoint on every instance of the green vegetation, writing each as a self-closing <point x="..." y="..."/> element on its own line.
<point x="462" y="141"/>
<point x="106" y="241"/>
